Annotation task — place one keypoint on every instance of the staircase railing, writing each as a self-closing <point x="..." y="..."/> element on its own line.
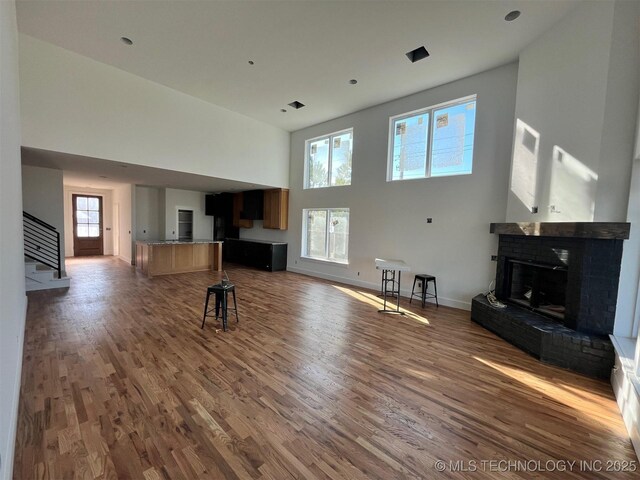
<point x="41" y="242"/>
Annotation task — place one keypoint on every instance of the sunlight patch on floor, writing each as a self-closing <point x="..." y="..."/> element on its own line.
<point x="378" y="303"/>
<point x="590" y="404"/>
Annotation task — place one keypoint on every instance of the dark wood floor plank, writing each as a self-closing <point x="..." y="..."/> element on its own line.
<point x="119" y="381"/>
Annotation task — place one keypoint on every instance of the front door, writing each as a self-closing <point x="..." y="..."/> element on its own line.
<point x="87" y="225"/>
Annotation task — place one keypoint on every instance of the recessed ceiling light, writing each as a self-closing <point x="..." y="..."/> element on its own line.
<point x="296" y="104"/>
<point x="353" y="81"/>
<point x="283" y="110"/>
<point x="126" y="41"/>
<point x="251" y="62"/>
<point x="417" y="54"/>
<point x="511" y="16"/>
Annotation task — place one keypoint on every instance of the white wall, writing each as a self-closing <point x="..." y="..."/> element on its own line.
<point x="628" y="306"/>
<point x="76" y="105"/>
<point x="577" y="96"/>
<point x="388" y="219"/>
<point x="123" y="230"/>
<point x="12" y="286"/>
<point x="107" y="221"/>
<point x="149" y="213"/>
<point x="188" y="200"/>
<point x="43" y="197"/>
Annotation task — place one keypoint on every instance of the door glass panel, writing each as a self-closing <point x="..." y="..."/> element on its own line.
<point x="87" y="217"/>
<point x="83" y="230"/>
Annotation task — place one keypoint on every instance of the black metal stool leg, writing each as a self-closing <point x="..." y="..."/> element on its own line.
<point x="218" y="300"/>
<point x="413" y="289"/>
<point x="425" y="284"/>
<point x="224" y="311"/>
<point x="206" y="305"/>
<point x="235" y="305"/>
<point x="435" y="289"/>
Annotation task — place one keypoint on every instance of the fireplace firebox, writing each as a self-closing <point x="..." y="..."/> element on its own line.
<point x="539" y="287"/>
<point x="560" y="284"/>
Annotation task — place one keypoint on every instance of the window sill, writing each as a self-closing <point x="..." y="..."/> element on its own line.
<point x="325" y="262"/>
<point x="328" y="186"/>
<point x="625" y="347"/>
<point x="461" y="174"/>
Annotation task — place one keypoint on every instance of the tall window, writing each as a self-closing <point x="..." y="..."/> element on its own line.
<point x="432" y="142"/>
<point x="325" y="234"/>
<point x="328" y="160"/>
<point x="87" y="216"/>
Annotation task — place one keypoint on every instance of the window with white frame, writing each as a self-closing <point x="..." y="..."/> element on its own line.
<point x="325" y="234"/>
<point x="328" y="160"/>
<point x="432" y="142"/>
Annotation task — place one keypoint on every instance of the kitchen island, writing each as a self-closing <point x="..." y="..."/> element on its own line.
<point x="164" y="257"/>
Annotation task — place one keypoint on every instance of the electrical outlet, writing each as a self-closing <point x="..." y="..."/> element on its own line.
<point x="429" y="220"/>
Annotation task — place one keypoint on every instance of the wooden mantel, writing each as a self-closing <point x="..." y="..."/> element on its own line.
<point x="602" y="230"/>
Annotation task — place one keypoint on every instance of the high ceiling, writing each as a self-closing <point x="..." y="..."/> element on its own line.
<point x="302" y="50"/>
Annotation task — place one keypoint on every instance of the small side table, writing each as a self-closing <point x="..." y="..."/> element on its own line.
<point x="391" y="273"/>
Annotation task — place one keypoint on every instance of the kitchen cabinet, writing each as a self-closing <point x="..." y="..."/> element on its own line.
<point x="276" y="209"/>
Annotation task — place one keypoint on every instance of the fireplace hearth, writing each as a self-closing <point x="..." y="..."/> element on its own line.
<point x="560" y="284"/>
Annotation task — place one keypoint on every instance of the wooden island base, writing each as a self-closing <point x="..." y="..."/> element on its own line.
<point x="165" y="258"/>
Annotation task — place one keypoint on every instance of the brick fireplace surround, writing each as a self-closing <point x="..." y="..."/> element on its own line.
<point x="590" y="253"/>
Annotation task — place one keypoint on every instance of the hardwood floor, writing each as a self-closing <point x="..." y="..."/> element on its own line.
<point x="119" y="381"/>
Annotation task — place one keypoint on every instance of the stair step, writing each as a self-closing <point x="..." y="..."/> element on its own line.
<point x="41" y="275"/>
<point x="32" y="285"/>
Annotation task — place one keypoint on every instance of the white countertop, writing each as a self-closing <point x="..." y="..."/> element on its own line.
<point x="387" y="264"/>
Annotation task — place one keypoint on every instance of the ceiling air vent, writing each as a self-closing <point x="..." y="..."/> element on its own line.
<point x="417" y="54"/>
<point x="296" y="104"/>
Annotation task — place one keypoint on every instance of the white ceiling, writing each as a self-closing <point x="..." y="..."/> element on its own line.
<point x="80" y="171"/>
<point x="304" y="50"/>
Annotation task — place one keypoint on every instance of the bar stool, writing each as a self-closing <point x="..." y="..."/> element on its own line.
<point x="221" y="291"/>
<point x="424" y="280"/>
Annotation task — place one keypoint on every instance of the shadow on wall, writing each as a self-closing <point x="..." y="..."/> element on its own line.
<point x="571" y="190"/>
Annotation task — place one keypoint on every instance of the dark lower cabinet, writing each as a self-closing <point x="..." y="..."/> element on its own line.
<point x="270" y="256"/>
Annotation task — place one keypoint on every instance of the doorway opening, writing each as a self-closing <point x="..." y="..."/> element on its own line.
<point x="87" y="225"/>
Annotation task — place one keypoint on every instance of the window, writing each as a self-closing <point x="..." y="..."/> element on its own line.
<point x="432" y="142"/>
<point x="328" y="160"/>
<point x="87" y="216"/>
<point x="325" y="234"/>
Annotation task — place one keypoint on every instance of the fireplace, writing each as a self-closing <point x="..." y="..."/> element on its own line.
<point x="539" y="287"/>
<point x="560" y="284"/>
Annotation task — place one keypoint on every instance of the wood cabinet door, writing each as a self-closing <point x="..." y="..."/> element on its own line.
<point x="276" y="209"/>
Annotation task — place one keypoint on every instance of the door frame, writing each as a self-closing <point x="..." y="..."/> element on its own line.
<point x="74" y="223"/>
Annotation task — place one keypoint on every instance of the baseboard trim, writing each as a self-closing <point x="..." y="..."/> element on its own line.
<point x="448" y="302"/>
<point x="13" y="425"/>
<point x="124" y="259"/>
<point x="626" y="388"/>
